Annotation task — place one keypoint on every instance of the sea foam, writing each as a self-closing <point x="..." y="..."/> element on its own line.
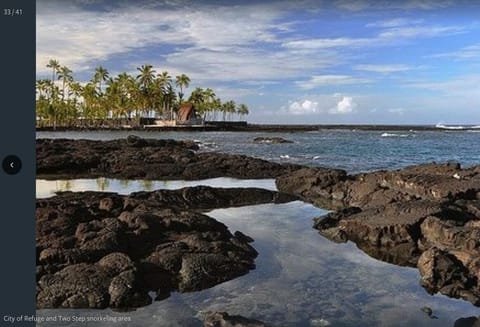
<point x="394" y="135"/>
<point x="457" y="127"/>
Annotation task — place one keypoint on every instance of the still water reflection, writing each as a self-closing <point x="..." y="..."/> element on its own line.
<point x="301" y="279"/>
<point x="47" y="188"/>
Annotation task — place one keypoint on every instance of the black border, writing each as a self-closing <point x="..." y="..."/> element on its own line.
<point x="17" y="137"/>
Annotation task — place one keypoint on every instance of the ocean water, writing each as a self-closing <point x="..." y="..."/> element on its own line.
<point x="354" y="151"/>
<point x="301" y="278"/>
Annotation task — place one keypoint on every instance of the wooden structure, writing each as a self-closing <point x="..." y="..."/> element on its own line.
<point x="186" y="112"/>
<point x="187" y="115"/>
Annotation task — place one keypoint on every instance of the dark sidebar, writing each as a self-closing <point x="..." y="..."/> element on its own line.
<point x="17" y="155"/>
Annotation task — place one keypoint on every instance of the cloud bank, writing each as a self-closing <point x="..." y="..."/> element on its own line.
<point x="344" y="106"/>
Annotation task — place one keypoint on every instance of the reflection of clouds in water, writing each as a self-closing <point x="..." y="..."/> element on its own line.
<point x="47" y="188"/>
<point x="302" y="278"/>
<point x="352" y="254"/>
<point x="315" y="279"/>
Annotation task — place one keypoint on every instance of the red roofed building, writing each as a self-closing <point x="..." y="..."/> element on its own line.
<point x="187" y="115"/>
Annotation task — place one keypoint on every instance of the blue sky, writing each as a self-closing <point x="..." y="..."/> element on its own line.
<point x="345" y="61"/>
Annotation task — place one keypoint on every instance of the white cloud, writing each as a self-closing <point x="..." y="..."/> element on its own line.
<point x="328" y="80"/>
<point x="252" y="44"/>
<point x="467" y="86"/>
<point x="471" y="52"/>
<point x="420" y="32"/>
<point x="325" y="43"/>
<point x="395" y="35"/>
<point x="208" y="43"/>
<point x="427" y="4"/>
<point x="384" y="69"/>
<point x="344" y="106"/>
<point x="244" y="63"/>
<point x="395" y="22"/>
<point x="303" y="107"/>
<point x="352" y="5"/>
<point x="358" y="5"/>
<point x="218" y="43"/>
<point x="75" y="37"/>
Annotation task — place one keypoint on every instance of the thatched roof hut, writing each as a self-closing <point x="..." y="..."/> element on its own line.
<point x="186" y="112"/>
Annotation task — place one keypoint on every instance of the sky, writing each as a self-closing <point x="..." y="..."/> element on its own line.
<point x="298" y="62"/>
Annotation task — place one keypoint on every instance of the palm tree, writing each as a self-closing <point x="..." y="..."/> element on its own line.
<point x="169" y="99"/>
<point x="77" y="90"/>
<point x="42" y="87"/>
<point x="181" y="81"/>
<point x="208" y="95"/>
<point x="216" y="107"/>
<point x="165" y="83"/>
<point x="204" y="100"/>
<point x="55" y="65"/>
<point x="113" y="97"/>
<point x="64" y="74"/>
<point x="209" y="100"/>
<point x="145" y="79"/>
<point x="125" y="95"/>
<point x="89" y="95"/>
<point x="132" y="94"/>
<point x="101" y="74"/>
<point x="146" y="76"/>
<point x="242" y="110"/>
<point x="228" y="108"/>
<point x="42" y="99"/>
<point x="196" y="96"/>
<point x="53" y="103"/>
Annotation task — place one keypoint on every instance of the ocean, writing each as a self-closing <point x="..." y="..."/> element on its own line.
<point x="352" y="150"/>
<point x="301" y="278"/>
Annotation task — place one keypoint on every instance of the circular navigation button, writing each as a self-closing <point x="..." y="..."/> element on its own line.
<point x="12" y="164"/>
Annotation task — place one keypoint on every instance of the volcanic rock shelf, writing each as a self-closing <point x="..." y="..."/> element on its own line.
<point x="98" y="250"/>
<point x="426" y="216"/>
<point x="137" y="158"/>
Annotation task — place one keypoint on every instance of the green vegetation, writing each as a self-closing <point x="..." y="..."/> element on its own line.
<point x="112" y="100"/>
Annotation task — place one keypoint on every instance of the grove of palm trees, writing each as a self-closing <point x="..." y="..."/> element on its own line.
<point x="107" y="101"/>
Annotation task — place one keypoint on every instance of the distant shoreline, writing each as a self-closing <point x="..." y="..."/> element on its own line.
<point x="264" y="128"/>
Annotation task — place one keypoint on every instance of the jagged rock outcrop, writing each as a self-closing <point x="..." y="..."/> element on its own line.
<point x="98" y="250"/>
<point x="270" y="140"/>
<point x="426" y="216"/>
<point x="223" y="319"/>
<point x="137" y="158"/>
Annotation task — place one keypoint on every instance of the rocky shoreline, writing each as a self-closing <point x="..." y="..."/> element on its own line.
<point x="244" y="127"/>
<point x="98" y="250"/>
<point x="137" y="158"/>
<point x="425" y="216"/>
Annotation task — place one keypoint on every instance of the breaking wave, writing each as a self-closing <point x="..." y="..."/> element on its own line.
<point x="457" y="127"/>
<point x="394" y="135"/>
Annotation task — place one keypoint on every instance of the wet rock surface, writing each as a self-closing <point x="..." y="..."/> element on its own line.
<point x="223" y="319"/>
<point x="425" y="216"/>
<point x="137" y="158"/>
<point x="98" y="250"/>
<point x="467" y="322"/>
<point x="271" y="140"/>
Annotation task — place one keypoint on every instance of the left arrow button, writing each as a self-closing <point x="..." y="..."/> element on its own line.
<point x="12" y="164"/>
